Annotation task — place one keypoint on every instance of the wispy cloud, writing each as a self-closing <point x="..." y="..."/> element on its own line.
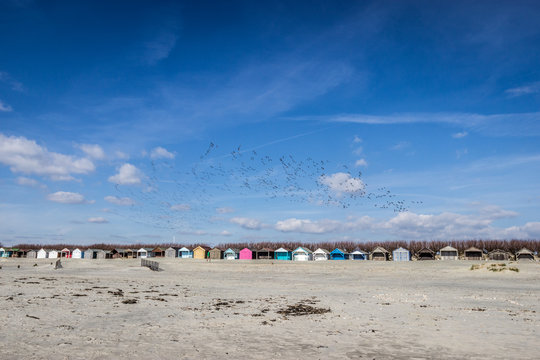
<point x="247" y="223"/>
<point x="12" y="83"/>
<point x="98" y="220"/>
<point x="65" y="197"/>
<point x="122" y="201"/>
<point x="93" y="150"/>
<point x="511" y="124"/>
<point x="532" y="88"/>
<point x="460" y="135"/>
<point x="4" y="107"/>
<point x="160" y="47"/>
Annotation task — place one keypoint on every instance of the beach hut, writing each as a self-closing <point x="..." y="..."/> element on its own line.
<point x="246" y="254"/>
<point x="380" y="254"/>
<point x="200" y="252"/>
<point x="18" y="253"/>
<point x="525" y="254"/>
<point x="231" y="254"/>
<point x="358" y="255"/>
<point x="499" y="255"/>
<point x="41" y="254"/>
<point x="448" y="253"/>
<point x="215" y="254"/>
<point x="118" y="253"/>
<point x="65" y="253"/>
<point x="264" y="254"/>
<point x="401" y="254"/>
<point x="7" y="253"/>
<point x="31" y="254"/>
<point x="282" y="254"/>
<point x="472" y="253"/>
<point x="158" y="252"/>
<point x="425" y="254"/>
<point x="145" y="253"/>
<point x="185" y="253"/>
<point x="339" y="254"/>
<point x="131" y="253"/>
<point x="2" y="251"/>
<point x="321" y="254"/>
<point x="171" y="252"/>
<point x="53" y="254"/>
<point x="302" y="254"/>
<point x="94" y="254"/>
<point x="77" y="254"/>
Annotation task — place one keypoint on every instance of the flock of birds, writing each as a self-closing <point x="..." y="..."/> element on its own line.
<point x="176" y="198"/>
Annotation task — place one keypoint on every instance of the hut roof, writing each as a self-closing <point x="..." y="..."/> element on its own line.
<point x="205" y="248"/>
<point x="380" y="249"/>
<point x="401" y="249"/>
<point x="320" y="250"/>
<point x="216" y="249"/>
<point x="232" y="250"/>
<point x="524" y="251"/>
<point x="306" y="250"/>
<point x="184" y="249"/>
<point x="498" y="251"/>
<point x="282" y="250"/>
<point x="472" y="248"/>
<point x="426" y="250"/>
<point x="338" y="250"/>
<point x="358" y="251"/>
<point x="266" y="250"/>
<point x="448" y="248"/>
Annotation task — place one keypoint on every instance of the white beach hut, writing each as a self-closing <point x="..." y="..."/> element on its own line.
<point x="143" y="253"/>
<point x="42" y="254"/>
<point x="170" y="252"/>
<point x="321" y="254"/>
<point x="401" y="254"/>
<point x="53" y="254"/>
<point x="77" y="254"/>
<point x="185" y="253"/>
<point x="302" y="254"/>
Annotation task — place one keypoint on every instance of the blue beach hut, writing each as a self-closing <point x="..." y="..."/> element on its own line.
<point x="338" y="254"/>
<point x="282" y="254"/>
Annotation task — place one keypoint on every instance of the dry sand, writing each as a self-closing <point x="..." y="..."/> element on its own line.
<point x="231" y="309"/>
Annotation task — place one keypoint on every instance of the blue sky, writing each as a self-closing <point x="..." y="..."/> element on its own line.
<point x="244" y="121"/>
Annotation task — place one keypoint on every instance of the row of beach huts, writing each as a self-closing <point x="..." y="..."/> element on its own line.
<point x="299" y="254"/>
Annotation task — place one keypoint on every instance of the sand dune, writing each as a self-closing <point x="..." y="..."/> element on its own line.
<point x="234" y="309"/>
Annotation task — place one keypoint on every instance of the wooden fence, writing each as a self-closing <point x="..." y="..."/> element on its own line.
<point x="153" y="265"/>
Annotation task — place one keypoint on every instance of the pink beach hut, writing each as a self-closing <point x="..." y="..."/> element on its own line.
<point x="246" y="254"/>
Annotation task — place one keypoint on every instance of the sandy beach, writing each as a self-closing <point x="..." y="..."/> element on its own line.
<point x="110" y="309"/>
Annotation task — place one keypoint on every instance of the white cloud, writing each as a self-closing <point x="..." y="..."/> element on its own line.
<point x="401" y="145"/>
<point x="460" y="135"/>
<point x="94" y="151"/>
<point x="224" y="210"/>
<point x="159" y="48"/>
<point x="308" y="226"/>
<point x="161" y="153"/>
<point x="65" y="197"/>
<point x="121" y="155"/>
<point x="21" y="180"/>
<point x="127" y="175"/>
<point x="342" y="183"/>
<point x="4" y="107"/>
<point x="225" y="233"/>
<point x="181" y="207"/>
<point x="524" y="90"/>
<point x="357" y="139"/>
<point x="247" y="223"/>
<point x="97" y="220"/>
<point x="124" y="201"/>
<point x="25" y="156"/>
<point x="361" y="162"/>
<point x="358" y="151"/>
